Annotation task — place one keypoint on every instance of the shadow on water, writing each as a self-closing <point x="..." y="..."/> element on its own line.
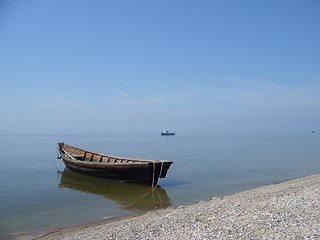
<point x="130" y="196"/>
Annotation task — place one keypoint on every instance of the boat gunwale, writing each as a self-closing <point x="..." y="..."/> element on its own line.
<point x="121" y="161"/>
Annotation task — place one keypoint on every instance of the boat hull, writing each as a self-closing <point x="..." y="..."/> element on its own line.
<point x="167" y="134"/>
<point x="116" y="168"/>
<point x="121" y="173"/>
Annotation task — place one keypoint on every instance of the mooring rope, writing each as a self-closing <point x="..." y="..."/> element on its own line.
<point x="154" y="186"/>
<point x="153" y="175"/>
<point x="58" y="153"/>
<point x="140" y="199"/>
<point x="52" y="163"/>
<point x="161" y="169"/>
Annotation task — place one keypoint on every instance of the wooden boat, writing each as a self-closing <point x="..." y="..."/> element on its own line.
<point x="112" y="167"/>
<point x="167" y="133"/>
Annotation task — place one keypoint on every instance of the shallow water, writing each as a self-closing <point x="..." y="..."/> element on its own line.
<point x="37" y="192"/>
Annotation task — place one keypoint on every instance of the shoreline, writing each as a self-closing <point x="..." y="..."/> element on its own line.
<point x="285" y="210"/>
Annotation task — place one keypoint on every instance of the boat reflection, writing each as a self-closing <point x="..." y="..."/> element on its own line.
<point x="130" y="196"/>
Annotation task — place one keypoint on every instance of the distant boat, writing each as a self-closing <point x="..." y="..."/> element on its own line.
<point x="313" y="131"/>
<point x="112" y="167"/>
<point x="167" y="133"/>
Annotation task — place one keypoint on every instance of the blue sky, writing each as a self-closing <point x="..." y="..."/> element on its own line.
<point x="128" y="67"/>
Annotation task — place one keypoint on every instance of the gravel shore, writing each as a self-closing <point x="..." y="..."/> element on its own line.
<point x="288" y="210"/>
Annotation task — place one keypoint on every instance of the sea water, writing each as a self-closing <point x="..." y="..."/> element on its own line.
<point x="37" y="192"/>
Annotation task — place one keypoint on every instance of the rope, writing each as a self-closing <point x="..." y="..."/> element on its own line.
<point x="154" y="186"/>
<point x="58" y="154"/>
<point x="143" y="196"/>
<point x="161" y="169"/>
<point x="151" y="190"/>
<point x="153" y="176"/>
<point x="159" y="197"/>
<point x="52" y="163"/>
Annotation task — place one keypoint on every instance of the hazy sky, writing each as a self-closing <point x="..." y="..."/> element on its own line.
<point x="106" y="67"/>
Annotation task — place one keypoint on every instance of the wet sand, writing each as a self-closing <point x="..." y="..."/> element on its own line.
<point x="288" y="210"/>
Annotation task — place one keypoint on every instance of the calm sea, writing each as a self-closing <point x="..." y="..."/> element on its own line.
<point x="37" y="192"/>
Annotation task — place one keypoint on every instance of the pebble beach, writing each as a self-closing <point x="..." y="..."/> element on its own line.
<point x="287" y="210"/>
